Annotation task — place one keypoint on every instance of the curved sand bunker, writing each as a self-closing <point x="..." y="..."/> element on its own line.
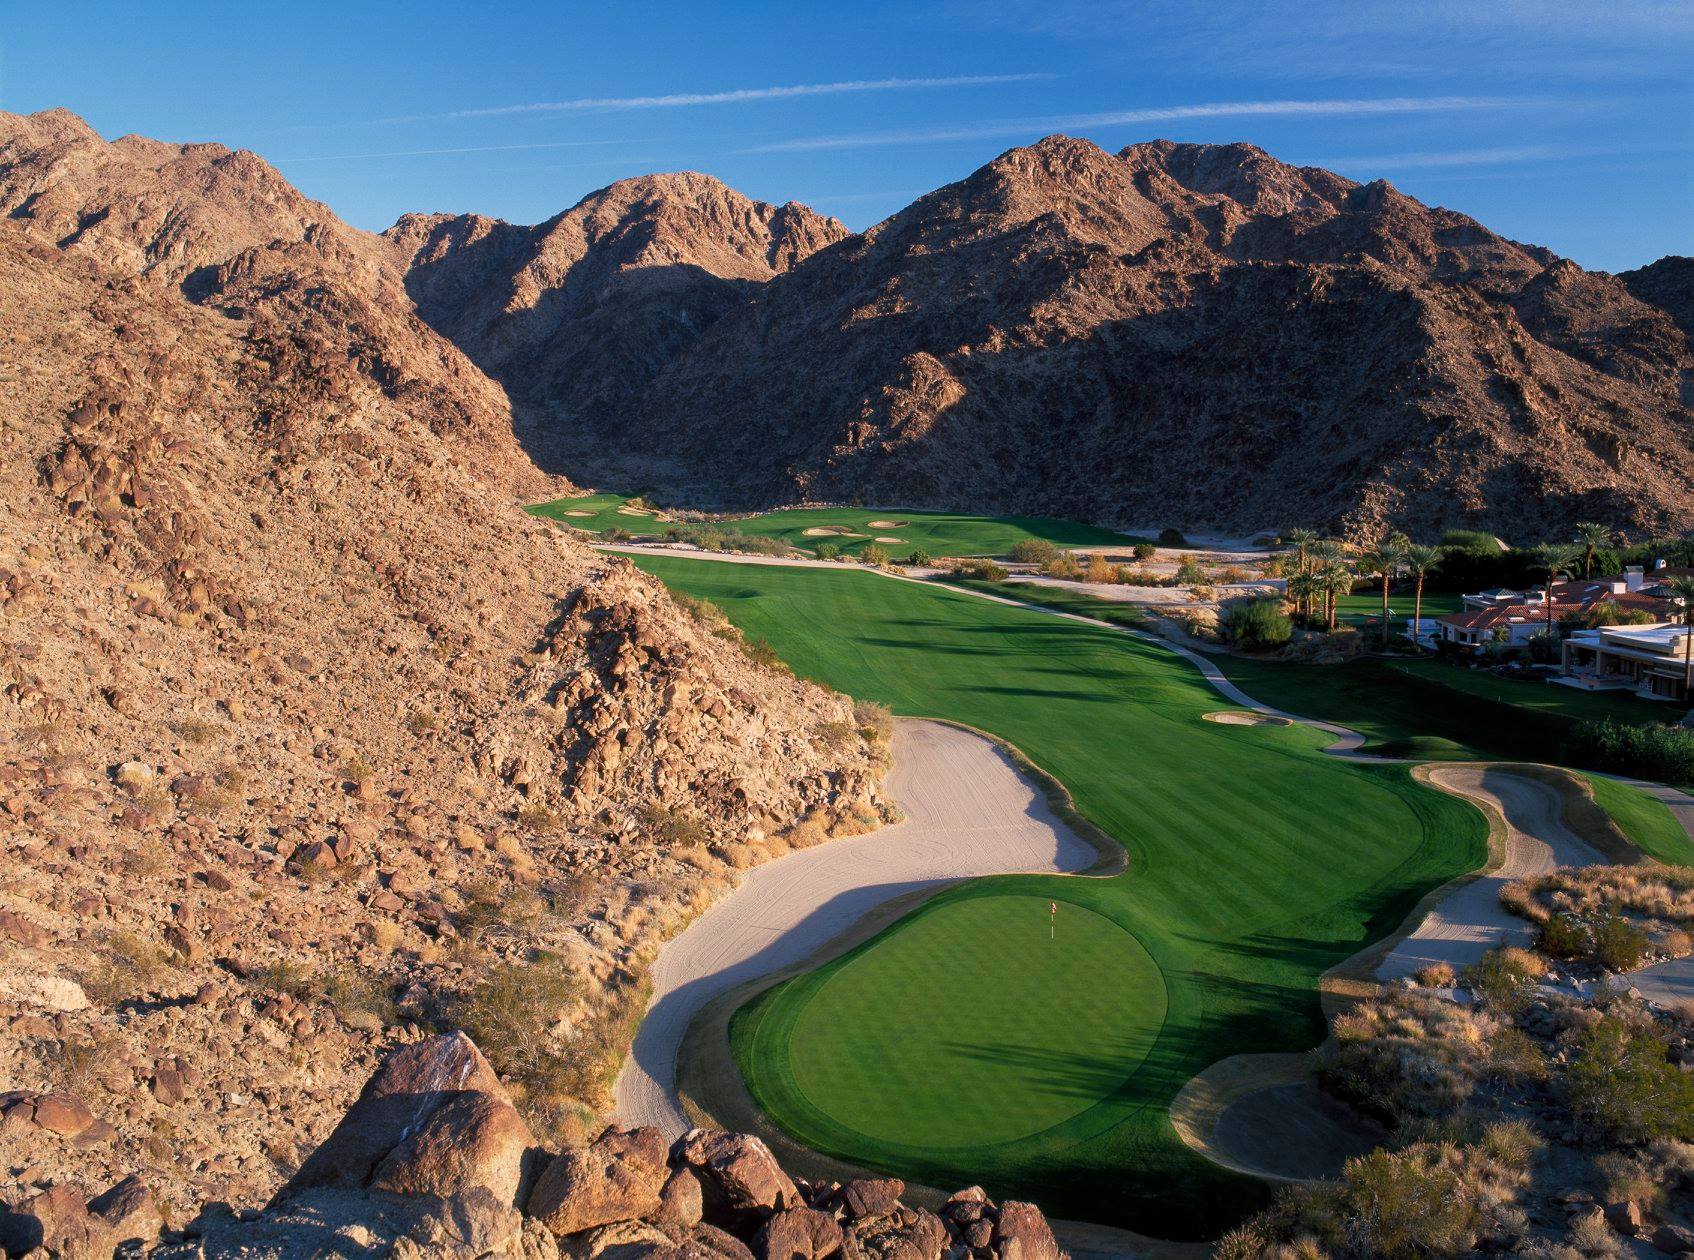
<point x="831" y="531"/>
<point x="884" y="538"/>
<point x="969" y="812"/>
<point x="887" y="524"/>
<point x="1235" y="717"/>
<point x="578" y="512"/>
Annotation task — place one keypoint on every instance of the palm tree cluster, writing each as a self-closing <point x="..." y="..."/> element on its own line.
<point x="1325" y="572"/>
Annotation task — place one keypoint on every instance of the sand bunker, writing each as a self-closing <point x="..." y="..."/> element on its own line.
<point x="1235" y="717"/>
<point x="884" y="538"/>
<point x="887" y="524"/>
<point x="831" y="531"/>
<point x="579" y="512"/>
<point x="626" y="510"/>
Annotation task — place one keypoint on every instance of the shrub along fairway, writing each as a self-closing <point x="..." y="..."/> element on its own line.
<point x="1046" y="1068"/>
<point x="938" y="533"/>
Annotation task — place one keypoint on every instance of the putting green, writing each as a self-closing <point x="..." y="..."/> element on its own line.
<point x="1028" y="1017"/>
<point x="1256" y="863"/>
<point x="938" y="533"/>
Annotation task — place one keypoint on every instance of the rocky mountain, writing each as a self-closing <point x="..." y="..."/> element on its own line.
<point x="1667" y="284"/>
<point x="306" y="730"/>
<point x="1188" y="334"/>
<point x="577" y="315"/>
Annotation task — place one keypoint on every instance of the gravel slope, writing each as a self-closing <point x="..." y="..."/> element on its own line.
<point x="969" y="813"/>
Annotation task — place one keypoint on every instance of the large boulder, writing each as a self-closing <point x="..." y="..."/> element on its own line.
<point x="1022" y="1233"/>
<point x="58" y="1222"/>
<point x="798" y="1234"/>
<point x="619" y="1178"/>
<point x="433" y="1120"/>
<point x="739" y="1177"/>
<point x="867" y="1198"/>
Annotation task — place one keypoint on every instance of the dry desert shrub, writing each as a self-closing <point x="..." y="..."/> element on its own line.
<point x="129" y="966"/>
<point x="875" y="721"/>
<point x="1437" y="976"/>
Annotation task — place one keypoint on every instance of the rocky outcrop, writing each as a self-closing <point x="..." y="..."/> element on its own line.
<point x="308" y="735"/>
<point x="626" y="1196"/>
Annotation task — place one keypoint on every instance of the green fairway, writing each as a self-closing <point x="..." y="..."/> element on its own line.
<point x="1647" y="821"/>
<point x="1256" y="863"/>
<point x="938" y="533"/>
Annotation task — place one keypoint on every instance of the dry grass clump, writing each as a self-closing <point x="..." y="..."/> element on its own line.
<point x="1650" y="891"/>
<point x="129" y="966"/>
<point x="1429" y="1198"/>
<point x="1437" y="976"/>
<point x="1612" y="916"/>
<point x="1409" y="1054"/>
<point x="875" y="721"/>
<point x="537" y="818"/>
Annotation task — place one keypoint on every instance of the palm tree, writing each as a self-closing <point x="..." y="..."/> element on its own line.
<point x="1383" y="560"/>
<point x="1560" y="559"/>
<point x="1419" y="561"/>
<point x="1302" y="586"/>
<point x="1328" y="555"/>
<point x="1591" y="536"/>
<point x="1301" y="539"/>
<point x="1335" y="580"/>
<point x="1682" y="591"/>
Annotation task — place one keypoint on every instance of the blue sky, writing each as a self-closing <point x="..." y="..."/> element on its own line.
<point x="1566" y="124"/>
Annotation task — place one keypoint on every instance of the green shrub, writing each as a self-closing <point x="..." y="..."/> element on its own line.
<point x="1035" y="551"/>
<point x="1408" y="1203"/>
<point x="616" y="534"/>
<point x="1501" y="980"/>
<point x="920" y="558"/>
<point x="873" y="555"/>
<point x="1475" y="541"/>
<point x="1562" y="936"/>
<point x="1145" y="551"/>
<point x="1189" y="572"/>
<point x="1652" y="751"/>
<point x="1256" y="625"/>
<point x="1172" y="538"/>
<point x="982" y="571"/>
<point x="828" y="551"/>
<point x="1619" y="945"/>
<point x="1063" y="567"/>
<point x="1621" y="1080"/>
<point x="509" y="1010"/>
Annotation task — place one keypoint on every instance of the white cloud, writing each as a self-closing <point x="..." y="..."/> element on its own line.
<point x="736" y="96"/>
<point x="1166" y="113"/>
<point x="475" y="148"/>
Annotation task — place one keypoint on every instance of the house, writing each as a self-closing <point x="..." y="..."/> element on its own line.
<point x="1514" y="617"/>
<point x="1648" y="660"/>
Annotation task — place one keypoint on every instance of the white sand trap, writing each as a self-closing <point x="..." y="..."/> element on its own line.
<point x="626" y="510"/>
<point x="887" y="524"/>
<point x="829" y="531"/>
<point x="884" y="538"/>
<point x="1231" y="717"/>
<point x="969" y="812"/>
<point x="579" y="512"/>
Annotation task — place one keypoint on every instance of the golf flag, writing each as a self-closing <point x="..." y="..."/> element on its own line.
<point x="1053" y="921"/>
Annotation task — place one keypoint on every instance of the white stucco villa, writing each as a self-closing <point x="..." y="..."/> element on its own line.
<point x="1648" y="660"/>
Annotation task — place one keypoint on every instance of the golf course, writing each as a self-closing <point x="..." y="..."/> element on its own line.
<point x="849" y="529"/>
<point x="985" y="1038"/>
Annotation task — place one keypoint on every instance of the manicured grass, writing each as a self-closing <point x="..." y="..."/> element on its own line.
<point x="1647" y="821"/>
<point x="938" y="533"/>
<point x="976" y="1007"/>
<point x="1367" y="606"/>
<point x="1256" y="863"/>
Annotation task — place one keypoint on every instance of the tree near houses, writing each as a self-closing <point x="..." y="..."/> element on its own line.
<point x="1419" y="560"/>
<point x="1591" y="535"/>
<point x="1338" y="580"/>
<point x="1682" y="591"/>
<point x="1559" y="561"/>
<point x="1384" y="561"/>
